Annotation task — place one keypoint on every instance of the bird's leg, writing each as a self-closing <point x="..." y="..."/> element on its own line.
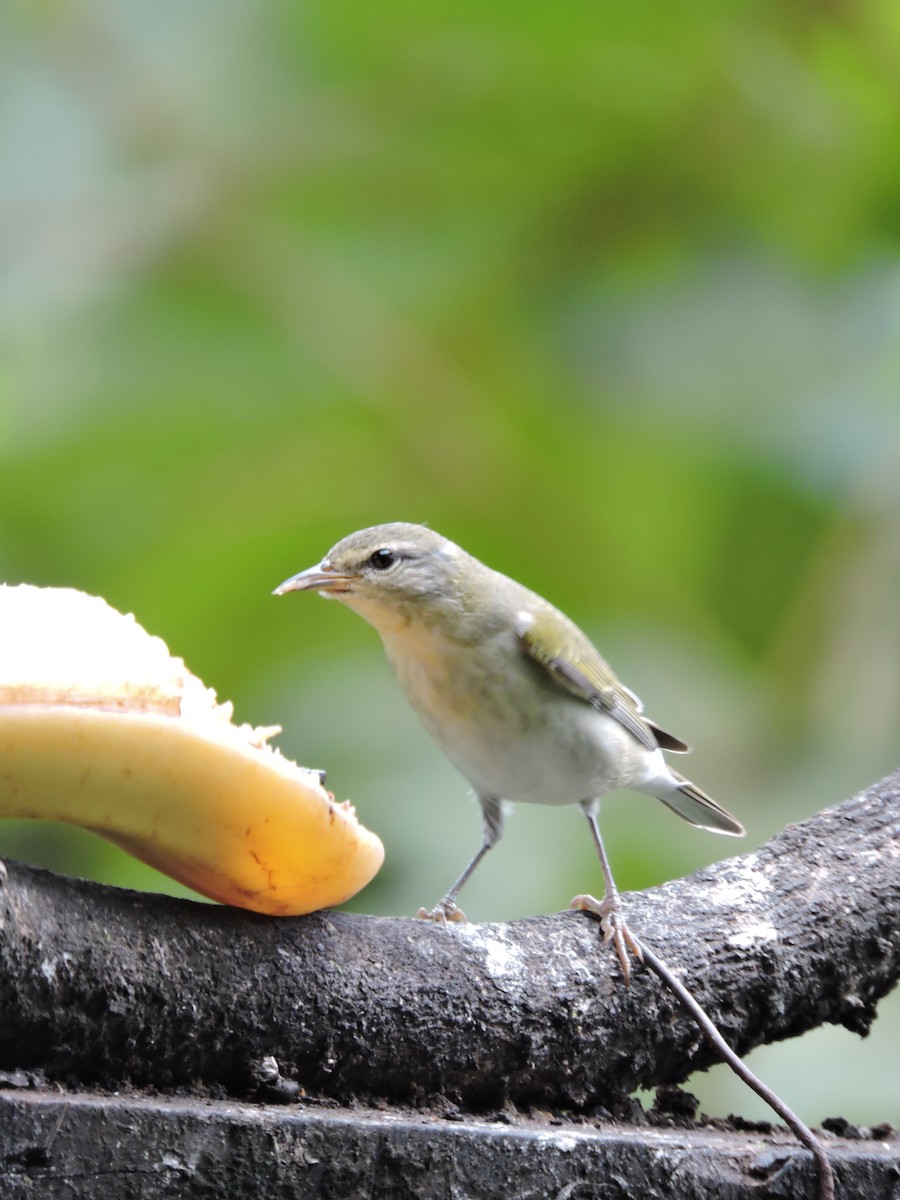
<point x="447" y="909"/>
<point x="492" y="814"/>
<point x="609" y="909"/>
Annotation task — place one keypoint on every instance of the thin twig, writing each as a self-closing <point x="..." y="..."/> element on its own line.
<point x="803" y="1133"/>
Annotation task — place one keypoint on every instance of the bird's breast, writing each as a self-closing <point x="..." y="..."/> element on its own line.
<point x="512" y="733"/>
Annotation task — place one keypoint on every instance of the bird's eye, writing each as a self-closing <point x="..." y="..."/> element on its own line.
<point x="382" y="559"/>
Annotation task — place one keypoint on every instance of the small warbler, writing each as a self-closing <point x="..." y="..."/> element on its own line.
<point x="512" y="691"/>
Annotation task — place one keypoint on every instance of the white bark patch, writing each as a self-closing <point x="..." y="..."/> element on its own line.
<point x="753" y="933"/>
<point x="745" y="890"/>
<point x="503" y="959"/>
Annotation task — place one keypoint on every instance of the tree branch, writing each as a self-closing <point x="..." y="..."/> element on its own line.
<point x="102" y="986"/>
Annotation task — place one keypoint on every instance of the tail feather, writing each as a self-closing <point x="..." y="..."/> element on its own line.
<point x="666" y="740"/>
<point x="695" y="806"/>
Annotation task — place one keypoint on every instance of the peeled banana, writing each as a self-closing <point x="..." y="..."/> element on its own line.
<point x="101" y="727"/>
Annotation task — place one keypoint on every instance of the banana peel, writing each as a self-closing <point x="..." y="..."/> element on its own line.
<point x="102" y="728"/>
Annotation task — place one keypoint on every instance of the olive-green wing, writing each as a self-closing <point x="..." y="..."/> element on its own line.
<point x="582" y="670"/>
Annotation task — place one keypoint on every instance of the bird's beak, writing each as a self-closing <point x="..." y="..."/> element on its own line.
<point x="320" y="578"/>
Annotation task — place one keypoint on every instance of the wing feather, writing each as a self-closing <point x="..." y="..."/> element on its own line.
<point x="584" y="672"/>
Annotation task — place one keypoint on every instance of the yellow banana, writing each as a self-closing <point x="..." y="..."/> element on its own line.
<point x="102" y="728"/>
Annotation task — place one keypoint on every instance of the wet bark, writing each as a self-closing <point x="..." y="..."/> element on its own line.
<point x="119" y="1148"/>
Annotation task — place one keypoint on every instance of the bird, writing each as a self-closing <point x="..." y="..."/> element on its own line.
<point x="512" y="691"/>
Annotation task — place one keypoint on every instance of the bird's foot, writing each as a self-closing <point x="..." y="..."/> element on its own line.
<point x="445" y="910"/>
<point x="612" y="922"/>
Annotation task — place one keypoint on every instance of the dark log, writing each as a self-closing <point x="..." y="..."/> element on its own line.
<point x="78" y="1147"/>
<point x="102" y="987"/>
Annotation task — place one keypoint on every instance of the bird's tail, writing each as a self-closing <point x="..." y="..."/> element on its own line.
<point x="693" y="805"/>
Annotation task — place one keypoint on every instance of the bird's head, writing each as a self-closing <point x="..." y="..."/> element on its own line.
<point x="392" y="575"/>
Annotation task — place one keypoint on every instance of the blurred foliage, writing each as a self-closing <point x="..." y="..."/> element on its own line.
<point x="608" y="293"/>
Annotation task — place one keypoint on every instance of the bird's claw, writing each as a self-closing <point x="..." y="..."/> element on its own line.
<point x="612" y="922"/>
<point x="445" y="910"/>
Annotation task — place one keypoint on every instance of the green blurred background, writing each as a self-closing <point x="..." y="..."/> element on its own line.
<point x="609" y="293"/>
